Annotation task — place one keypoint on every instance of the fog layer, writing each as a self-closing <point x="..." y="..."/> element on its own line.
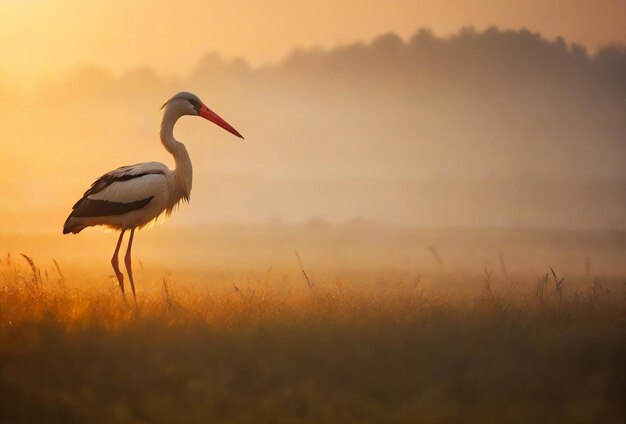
<point x="494" y="128"/>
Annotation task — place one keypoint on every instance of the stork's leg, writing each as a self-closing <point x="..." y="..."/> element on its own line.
<point x="128" y="262"/>
<point x="115" y="263"/>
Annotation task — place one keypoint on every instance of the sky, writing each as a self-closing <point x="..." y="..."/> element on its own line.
<point x="39" y="38"/>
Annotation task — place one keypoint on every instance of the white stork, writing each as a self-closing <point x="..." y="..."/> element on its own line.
<point x="131" y="197"/>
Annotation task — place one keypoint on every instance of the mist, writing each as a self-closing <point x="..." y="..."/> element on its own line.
<point x="493" y="128"/>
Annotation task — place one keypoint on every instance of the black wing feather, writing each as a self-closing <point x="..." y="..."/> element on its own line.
<point x="110" y="178"/>
<point x="88" y="208"/>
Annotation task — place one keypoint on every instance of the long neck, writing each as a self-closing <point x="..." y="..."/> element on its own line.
<point x="182" y="174"/>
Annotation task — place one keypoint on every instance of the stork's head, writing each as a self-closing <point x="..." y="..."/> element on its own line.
<point x="185" y="103"/>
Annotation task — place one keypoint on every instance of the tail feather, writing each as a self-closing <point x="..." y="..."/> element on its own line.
<point x="72" y="226"/>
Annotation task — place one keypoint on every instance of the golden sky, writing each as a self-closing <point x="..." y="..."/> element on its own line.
<point x="41" y="37"/>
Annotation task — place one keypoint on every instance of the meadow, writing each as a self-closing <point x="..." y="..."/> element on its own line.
<point x="300" y="345"/>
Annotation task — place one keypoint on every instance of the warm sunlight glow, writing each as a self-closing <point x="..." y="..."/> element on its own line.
<point x="425" y="222"/>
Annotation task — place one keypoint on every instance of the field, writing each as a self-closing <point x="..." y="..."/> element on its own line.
<point x="388" y="325"/>
<point x="281" y="347"/>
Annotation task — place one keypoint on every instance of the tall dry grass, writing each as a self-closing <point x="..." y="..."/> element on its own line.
<point x="282" y="349"/>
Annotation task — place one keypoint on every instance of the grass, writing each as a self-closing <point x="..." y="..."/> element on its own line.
<point x="266" y="351"/>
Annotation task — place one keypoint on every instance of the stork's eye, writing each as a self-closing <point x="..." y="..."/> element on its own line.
<point x="195" y="104"/>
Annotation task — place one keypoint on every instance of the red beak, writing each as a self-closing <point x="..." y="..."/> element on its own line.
<point x="207" y="113"/>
